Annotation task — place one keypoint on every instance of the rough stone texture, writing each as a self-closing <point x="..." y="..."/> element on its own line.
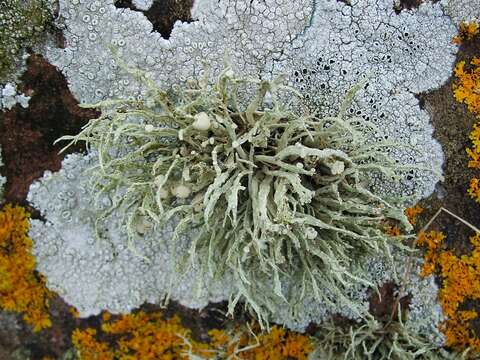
<point x="27" y="135"/>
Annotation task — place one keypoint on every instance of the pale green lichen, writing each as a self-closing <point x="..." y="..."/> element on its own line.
<point x="375" y="340"/>
<point x="21" y="24"/>
<point x="268" y="193"/>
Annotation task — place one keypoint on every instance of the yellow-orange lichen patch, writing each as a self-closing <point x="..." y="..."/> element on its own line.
<point x="474" y="189"/>
<point x="433" y="241"/>
<point x="474" y="152"/>
<point x="151" y="336"/>
<point x="474" y="162"/>
<point x="466" y="88"/>
<point x="21" y="288"/>
<point x="412" y="213"/>
<point x="393" y="231"/>
<point x="139" y="336"/>
<point x="467" y="31"/>
<point x="88" y="347"/>
<point x="73" y="310"/>
<point x="276" y="344"/>
<point x="460" y="278"/>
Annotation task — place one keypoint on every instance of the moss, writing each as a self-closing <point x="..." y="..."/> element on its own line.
<point x="21" y="25"/>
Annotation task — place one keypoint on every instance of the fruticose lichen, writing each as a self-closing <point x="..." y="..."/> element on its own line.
<point x="374" y="340"/>
<point x="105" y="273"/>
<point x="323" y="48"/>
<point x="261" y="190"/>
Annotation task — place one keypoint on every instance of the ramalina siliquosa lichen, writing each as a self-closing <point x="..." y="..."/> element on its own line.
<point x="269" y="194"/>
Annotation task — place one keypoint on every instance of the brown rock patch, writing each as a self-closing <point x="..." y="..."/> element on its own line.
<point x="27" y="135"/>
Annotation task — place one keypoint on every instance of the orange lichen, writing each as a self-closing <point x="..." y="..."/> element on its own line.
<point x="150" y="336"/>
<point x="467" y="87"/>
<point x="88" y="347"/>
<point x="432" y="240"/>
<point x="22" y="290"/>
<point x="138" y="336"/>
<point x="467" y="31"/>
<point x="72" y="310"/>
<point x="474" y="152"/>
<point x="460" y="283"/>
<point x="474" y="189"/>
<point x="474" y="162"/>
<point x="393" y="231"/>
<point x="467" y="90"/>
<point x="412" y="212"/>
<point x="276" y="344"/>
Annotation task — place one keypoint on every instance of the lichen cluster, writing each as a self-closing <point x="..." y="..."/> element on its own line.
<point x="460" y="278"/>
<point x="150" y="335"/>
<point x="21" y="25"/>
<point x="321" y="55"/>
<point x="22" y="290"/>
<point x="267" y="191"/>
<point x="375" y="340"/>
<point x="474" y="162"/>
<point x="411" y="213"/>
<point x="466" y="89"/>
<point x="466" y="32"/>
